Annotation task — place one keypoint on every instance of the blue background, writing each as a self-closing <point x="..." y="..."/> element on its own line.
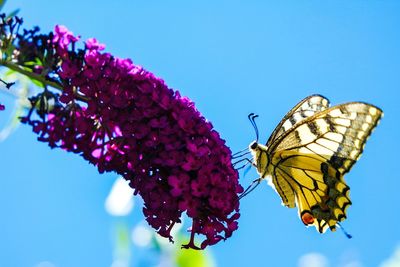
<point x="231" y="58"/>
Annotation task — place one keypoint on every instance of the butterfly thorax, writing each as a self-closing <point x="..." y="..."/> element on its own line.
<point x="261" y="158"/>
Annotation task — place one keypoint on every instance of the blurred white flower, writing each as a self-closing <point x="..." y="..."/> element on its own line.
<point x="394" y="260"/>
<point x="313" y="260"/>
<point x="119" y="202"/>
<point x="141" y="236"/>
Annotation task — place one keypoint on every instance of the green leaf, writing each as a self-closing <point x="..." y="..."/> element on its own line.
<point x="2" y="3"/>
<point x="20" y="92"/>
<point x="35" y="62"/>
<point x="34" y="81"/>
<point x="13" y="13"/>
<point x="37" y="83"/>
<point x="193" y="258"/>
<point x="122" y="235"/>
<point x="9" y="73"/>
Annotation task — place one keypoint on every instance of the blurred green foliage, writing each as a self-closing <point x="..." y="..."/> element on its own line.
<point x="193" y="258"/>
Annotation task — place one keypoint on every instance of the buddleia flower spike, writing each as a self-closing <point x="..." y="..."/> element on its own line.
<point x="123" y="119"/>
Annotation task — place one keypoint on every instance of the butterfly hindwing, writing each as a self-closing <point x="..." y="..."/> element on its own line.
<point x="317" y="187"/>
<point x="283" y="186"/>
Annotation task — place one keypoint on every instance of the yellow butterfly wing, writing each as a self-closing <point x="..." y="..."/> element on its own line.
<point x="305" y="108"/>
<point x="310" y="159"/>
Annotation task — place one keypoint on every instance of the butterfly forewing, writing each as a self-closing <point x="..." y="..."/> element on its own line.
<point x="339" y="131"/>
<point x="310" y="151"/>
<point x="305" y="108"/>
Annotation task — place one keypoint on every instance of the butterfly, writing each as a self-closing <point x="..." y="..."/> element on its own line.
<point x="308" y="154"/>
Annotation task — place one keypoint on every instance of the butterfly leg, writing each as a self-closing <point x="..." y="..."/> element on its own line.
<point x="250" y="188"/>
<point x="246" y="160"/>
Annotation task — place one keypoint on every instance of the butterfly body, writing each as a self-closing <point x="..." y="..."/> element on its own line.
<point x="309" y="152"/>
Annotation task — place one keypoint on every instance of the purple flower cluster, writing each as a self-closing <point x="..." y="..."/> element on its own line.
<point x="2" y="107"/>
<point x="122" y="118"/>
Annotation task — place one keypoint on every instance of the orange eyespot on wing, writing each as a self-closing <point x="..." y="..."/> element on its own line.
<point x="307" y="218"/>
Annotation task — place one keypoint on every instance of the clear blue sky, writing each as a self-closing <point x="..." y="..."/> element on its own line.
<point x="231" y="58"/>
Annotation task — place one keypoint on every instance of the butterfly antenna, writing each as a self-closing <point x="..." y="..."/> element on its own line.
<point x="250" y="188"/>
<point x="252" y="118"/>
<point x="239" y="153"/>
<point x="349" y="236"/>
<point x="242" y="160"/>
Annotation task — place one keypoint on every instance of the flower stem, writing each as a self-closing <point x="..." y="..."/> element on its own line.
<point x="39" y="78"/>
<point x="31" y="75"/>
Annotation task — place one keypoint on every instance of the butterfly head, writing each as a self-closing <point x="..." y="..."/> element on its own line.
<point x="253" y="146"/>
<point x="260" y="156"/>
